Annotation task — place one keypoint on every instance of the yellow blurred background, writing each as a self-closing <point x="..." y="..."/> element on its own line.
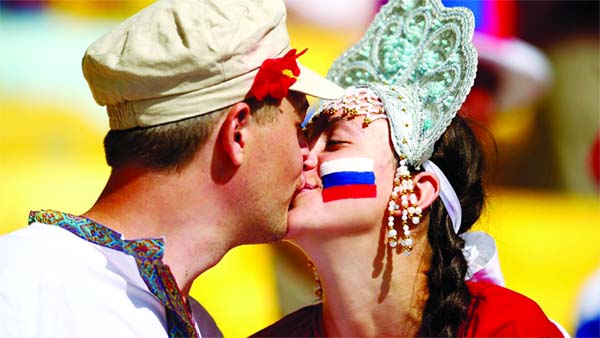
<point x="51" y="157"/>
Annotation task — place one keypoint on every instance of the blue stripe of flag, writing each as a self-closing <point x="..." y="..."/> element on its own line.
<point x="347" y="178"/>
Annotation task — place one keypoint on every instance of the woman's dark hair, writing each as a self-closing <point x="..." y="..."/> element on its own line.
<point x="459" y="155"/>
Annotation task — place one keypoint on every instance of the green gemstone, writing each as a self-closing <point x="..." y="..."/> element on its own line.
<point x="427" y="125"/>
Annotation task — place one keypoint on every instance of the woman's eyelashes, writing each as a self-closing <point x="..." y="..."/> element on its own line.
<point x="334" y="144"/>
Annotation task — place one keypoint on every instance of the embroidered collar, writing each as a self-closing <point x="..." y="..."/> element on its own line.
<point x="148" y="254"/>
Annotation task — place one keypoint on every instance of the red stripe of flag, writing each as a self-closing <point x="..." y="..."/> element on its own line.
<point x="349" y="191"/>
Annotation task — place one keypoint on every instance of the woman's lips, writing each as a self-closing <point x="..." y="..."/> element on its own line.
<point x="305" y="188"/>
<point x="306" y="184"/>
<point x="309" y="186"/>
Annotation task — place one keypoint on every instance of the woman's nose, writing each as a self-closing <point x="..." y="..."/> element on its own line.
<point x="310" y="160"/>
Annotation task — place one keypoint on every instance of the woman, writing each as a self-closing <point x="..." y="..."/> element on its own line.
<point x="397" y="181"/>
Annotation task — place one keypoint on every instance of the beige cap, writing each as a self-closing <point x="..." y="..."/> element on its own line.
<point x="181" y="58"/>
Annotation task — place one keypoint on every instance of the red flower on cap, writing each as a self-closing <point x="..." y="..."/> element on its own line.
<point x="276" y="76"/>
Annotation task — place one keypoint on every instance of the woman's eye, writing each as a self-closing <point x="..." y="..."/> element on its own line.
<point x="334" y="143"/>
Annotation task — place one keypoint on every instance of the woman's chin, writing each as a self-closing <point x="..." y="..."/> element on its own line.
<point x="310" y="216"/>
<point x="304" y="213"/>
<point x="297" y="222"/>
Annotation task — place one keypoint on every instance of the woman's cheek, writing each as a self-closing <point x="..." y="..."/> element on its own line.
<point x="348" y="178"/>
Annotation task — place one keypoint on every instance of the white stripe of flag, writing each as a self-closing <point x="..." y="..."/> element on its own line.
<point x="357" y="164"/>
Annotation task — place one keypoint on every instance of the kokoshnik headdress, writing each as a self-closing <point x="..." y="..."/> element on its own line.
<point x="418" y="59"/>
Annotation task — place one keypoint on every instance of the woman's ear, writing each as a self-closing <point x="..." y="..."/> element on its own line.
<point x="234" y="132"/>
<point x="427" y="188"/>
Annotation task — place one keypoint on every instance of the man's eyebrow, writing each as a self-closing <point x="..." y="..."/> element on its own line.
<point x="304" y="105"/>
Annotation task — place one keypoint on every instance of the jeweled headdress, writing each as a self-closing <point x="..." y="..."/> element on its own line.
<point x="418" y="57"/>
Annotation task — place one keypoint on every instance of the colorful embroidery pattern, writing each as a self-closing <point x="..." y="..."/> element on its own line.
<point x="148" y="254"/>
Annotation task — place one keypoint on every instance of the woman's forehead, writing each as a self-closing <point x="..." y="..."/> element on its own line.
<point x="356" y="101"/>
<point x="325" y="122"/>
<point x="338" y="125"/>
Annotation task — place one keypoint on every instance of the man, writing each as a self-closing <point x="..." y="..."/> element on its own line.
<point x="204" y="99"/>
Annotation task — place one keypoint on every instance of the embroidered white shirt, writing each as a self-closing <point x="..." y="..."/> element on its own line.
<point x="55" y="284"/>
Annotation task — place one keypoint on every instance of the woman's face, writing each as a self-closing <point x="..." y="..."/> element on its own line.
<point x="333" y="138"/>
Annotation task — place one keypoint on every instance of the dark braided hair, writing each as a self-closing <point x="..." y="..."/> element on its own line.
<point x="459" y="155"/>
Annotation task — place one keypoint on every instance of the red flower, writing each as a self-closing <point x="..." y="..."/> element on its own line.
<point x="276" y="76"/>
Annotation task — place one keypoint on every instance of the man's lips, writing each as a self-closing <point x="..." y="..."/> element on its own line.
<point x="300" y="184"/>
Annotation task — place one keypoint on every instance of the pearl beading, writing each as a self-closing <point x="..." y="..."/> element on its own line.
<point x="357" y="101"/>
<point x="403" y="192"/>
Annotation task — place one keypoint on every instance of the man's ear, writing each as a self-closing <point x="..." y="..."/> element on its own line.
<point x="234" y="132"/>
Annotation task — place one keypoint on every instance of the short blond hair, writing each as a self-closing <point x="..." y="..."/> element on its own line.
<point x="171" y="146"/>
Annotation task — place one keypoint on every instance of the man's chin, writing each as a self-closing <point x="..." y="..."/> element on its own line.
<point x="273" y="234"/>
<point x="279" y="230"/>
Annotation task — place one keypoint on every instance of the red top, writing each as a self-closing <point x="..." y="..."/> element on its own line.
<point x="495" y="312"/>
<point x="499" y="312"/>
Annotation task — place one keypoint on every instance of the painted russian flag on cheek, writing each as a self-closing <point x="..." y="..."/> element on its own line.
<point x="346" y="178"/>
